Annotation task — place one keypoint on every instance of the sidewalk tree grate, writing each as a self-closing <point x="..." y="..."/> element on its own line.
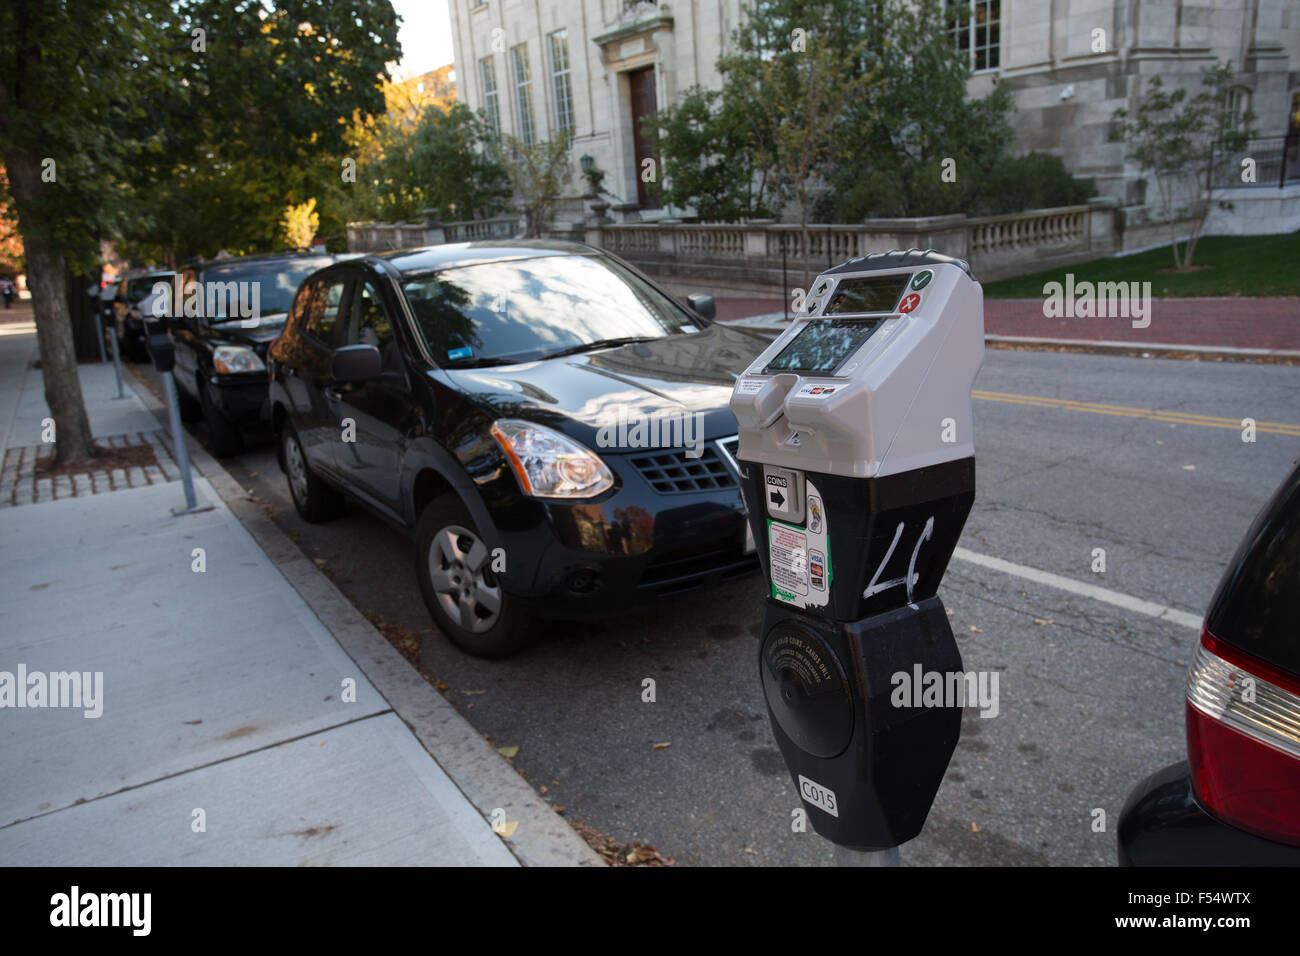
<point x="136" y="460"/>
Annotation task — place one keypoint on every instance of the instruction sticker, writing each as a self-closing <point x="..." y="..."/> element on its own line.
<point x="910" y="302"/>
<point x="799" y="559"/>
<point x="750" y="386"/>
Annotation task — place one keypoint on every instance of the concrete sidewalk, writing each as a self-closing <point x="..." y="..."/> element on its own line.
<point x="226" y="724"/>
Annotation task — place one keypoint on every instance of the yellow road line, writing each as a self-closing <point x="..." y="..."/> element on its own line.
<point x="1126" y="411"/>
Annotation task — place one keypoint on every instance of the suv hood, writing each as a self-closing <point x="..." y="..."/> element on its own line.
<point x="579" y="395"/>
<point x="256" y="337"/>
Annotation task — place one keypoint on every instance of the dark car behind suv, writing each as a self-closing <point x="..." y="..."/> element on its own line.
<point x="550" y="427"/>
<point x="232" y="309"/>
<point x="1236" y="799"/>
<point x="126" y="308"/>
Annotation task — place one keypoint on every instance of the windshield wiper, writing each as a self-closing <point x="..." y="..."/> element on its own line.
<point x="482" y="362"/>
<point x="603" y="344"/>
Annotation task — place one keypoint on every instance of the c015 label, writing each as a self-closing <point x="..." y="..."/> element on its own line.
<point x="823" y="798"/>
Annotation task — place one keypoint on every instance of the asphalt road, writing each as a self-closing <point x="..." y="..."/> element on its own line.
<point x="1090" y="693"/>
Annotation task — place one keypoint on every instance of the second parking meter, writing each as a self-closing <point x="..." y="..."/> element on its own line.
<point x="858" y="472"/>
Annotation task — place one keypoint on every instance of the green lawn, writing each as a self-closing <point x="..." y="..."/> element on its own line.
<point x="1239" y="265"/>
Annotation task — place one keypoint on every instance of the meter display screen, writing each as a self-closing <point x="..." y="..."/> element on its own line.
<point x="867" y="294"/>
<point x="823" y="345"/>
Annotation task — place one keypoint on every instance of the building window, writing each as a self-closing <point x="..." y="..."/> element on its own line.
<point x="524" y="94"/>
<point x="976" y="30"/>
<point x="560" y="81"/>
<point x="1237" y="106"/>
<point x="487" y="74"/>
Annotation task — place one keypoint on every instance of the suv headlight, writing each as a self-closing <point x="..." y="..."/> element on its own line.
<point x="236" y="358"/>
<point x="551" y="465"/>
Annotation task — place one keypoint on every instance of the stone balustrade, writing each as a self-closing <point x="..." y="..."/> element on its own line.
<point x="386" y="236"/>
<point x="761" y="255"/>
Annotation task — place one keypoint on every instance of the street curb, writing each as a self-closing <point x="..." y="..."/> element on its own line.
<point x="543" y="838"/>
<point x="1154" y="349"/>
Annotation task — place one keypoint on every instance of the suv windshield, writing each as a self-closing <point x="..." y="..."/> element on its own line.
<point x="277" y="281"/>
<point x="528" y="309"/>
<point x="141" y="286"/>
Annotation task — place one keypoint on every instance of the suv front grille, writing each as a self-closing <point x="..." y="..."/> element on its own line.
<point x="670" y="472"/>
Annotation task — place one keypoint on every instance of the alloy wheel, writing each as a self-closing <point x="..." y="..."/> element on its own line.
<point x="462" y="578"/>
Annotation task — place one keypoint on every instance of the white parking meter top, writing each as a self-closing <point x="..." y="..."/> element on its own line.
<point x="874" y="377"/>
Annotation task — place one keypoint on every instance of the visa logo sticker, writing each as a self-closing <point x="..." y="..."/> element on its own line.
<point x="819" y="796"/>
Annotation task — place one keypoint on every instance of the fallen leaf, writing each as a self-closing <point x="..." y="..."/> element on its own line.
<point x="1189" y="467"/>
<point x="506" y="829"/>
<point x="542" y="788"/>
<point x="974" y="827"/>
<point x="977" y="630"/>
<point x="751" y="851"/>
<point x="508" y="752"/>
<point x="661" y="746"/>
<point x="319" y="562"/>
<point x="1043" y="621"/>
<point x="471" y="693"/>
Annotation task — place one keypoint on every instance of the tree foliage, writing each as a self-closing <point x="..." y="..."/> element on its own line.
<point x="256" y="117"/>
<point x="877" y="94"/>
<point x="1185" y="141"/>
<point x="438" y="156"/>
<point x="538" y="175"/>
<point x="300" y="223"/>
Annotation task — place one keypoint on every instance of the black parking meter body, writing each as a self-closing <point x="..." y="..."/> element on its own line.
<point x="156" y="312"/>
<point x="858" y="473"/>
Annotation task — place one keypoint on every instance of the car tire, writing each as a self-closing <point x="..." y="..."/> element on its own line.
<point x="225" y="437"/>
<point x="314" y="500"/>
<point x="190" y="409"/>
<point x="453" y="565"/>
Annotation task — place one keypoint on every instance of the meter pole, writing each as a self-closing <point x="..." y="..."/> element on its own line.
<point x="117" y="359"/>
<point x="847" y="857"/>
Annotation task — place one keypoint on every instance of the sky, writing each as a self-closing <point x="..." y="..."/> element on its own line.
<point x="425" y="35"/>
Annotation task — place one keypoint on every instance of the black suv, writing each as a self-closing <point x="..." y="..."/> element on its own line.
<point x="550" y="427"/>
<point x="231" y="310"/>
<point x="1236" y="799"/>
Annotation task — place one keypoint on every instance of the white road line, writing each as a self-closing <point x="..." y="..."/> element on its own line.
<point x="1106" y="595"/>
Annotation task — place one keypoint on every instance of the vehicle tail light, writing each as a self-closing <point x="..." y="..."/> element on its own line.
<point x="1243" y="740"/>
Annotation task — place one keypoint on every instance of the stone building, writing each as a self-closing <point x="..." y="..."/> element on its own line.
<point x="596" y="67"/>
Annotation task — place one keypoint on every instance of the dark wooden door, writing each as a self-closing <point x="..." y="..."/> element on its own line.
<point x="641" y="85"/>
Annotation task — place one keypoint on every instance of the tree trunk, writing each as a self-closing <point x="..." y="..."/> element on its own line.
<point x="81" y="312"/>
<point x="45" y="277"/>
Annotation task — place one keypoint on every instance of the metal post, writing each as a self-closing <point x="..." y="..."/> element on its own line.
<point x="178" y="445"/>
<point x="99" y="325"/>
<point x="785" y="281"/>
<point x="846" y="857"/>
<point x="828" y="247"/>
<point x="1281" y="173"/>
<point x="117" y="361"/>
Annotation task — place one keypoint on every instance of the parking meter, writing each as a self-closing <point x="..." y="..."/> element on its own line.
<point x="157" y="337"/>
<point x="858" y="472"/>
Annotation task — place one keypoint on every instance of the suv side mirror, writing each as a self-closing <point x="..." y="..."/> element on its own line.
<point x="356" y="363"/>
<point x="702" y="305"/>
